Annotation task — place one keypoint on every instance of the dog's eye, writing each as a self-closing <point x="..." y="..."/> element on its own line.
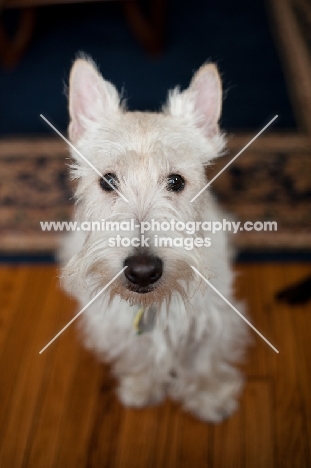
<point x="109" y="181"/>
<point x="175" y="183"/>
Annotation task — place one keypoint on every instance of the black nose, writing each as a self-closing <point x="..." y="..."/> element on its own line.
<point x="143" y="270"/>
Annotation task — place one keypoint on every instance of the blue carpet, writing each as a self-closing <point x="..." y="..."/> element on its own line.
<point x="234" y="34"/>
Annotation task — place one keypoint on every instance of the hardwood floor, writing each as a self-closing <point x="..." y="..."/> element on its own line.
<point x="58" y="409"/>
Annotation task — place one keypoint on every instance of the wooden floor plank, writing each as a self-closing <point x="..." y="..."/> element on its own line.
<point x="290" y="444"/>
<point x="137" y="438"/>
<point x="194" y="433"/>
<point x="248" y="289"/>
<point x="62" y="360"/>
<point x="258" y="415"/>
<point x="18" y="339"/>
<point x="12" y="284"/>
<point x="80" y="412"/>
<point x="60" y="409"/>
<point x="147" y="438"/>
<point x="228" y="440"/>
<point x="104" y="438"/>
<point x="167" y="452"/>
<point x="27" y="382"/>
<point x="301" y="323"/>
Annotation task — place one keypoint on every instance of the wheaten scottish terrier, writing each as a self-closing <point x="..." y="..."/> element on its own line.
<point x="163" y="329"/>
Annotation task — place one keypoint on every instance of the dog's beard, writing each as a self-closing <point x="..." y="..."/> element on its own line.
<point x="78" y="276"/>
<point x="156" y="294"/>
<point x="171" y="283"/>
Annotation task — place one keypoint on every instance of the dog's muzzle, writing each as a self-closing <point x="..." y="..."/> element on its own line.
<point x="142" y="272"/>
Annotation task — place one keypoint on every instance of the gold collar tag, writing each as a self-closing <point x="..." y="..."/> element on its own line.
<point x="144" y="320"/>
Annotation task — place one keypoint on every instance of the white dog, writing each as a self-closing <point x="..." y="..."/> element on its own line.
<point x="162" y="327"/>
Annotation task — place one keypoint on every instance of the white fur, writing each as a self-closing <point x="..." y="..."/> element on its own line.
<point x="198" y="337"/>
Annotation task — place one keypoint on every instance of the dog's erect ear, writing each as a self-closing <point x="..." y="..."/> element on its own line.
<point x="91" y="98"/>
<point x="206" y="85"/>
<point x="202" y="99"/>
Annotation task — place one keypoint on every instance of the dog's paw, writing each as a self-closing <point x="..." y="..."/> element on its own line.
<point x="205" y="408"/>
<point x="217" y="405"/>
<point x="138" y="391"/>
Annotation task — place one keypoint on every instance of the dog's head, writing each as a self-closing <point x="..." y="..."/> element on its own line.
<point x="138" y="168"/>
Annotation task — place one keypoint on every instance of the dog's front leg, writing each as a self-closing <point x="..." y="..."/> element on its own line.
<point x="142" y="381"/>
<point x="206" y="384"/>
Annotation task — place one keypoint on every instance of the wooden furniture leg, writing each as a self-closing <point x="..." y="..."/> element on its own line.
<point x="11" y="49"/>
<point x="150" y="32"/>
<point x="296" y="59"/>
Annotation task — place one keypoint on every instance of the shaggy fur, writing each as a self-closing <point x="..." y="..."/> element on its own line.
<point x="190" y="353"/>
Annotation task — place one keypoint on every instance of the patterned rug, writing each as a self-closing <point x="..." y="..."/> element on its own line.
<point x="269" y="181"/>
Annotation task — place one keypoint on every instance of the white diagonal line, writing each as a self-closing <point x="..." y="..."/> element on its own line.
<point x="233" y="159"/>
<point x="83" y="157"/>
<point x="82" y="310"/>
<point x="235" y="310"/>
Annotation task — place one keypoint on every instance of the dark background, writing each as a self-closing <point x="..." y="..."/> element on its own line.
<point x="234" y="34"/>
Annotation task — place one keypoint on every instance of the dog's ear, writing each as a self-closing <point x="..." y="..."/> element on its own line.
<point x="206" y="86"/>
<point x="91" y="98"/>
<point x="202" y="100"/>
